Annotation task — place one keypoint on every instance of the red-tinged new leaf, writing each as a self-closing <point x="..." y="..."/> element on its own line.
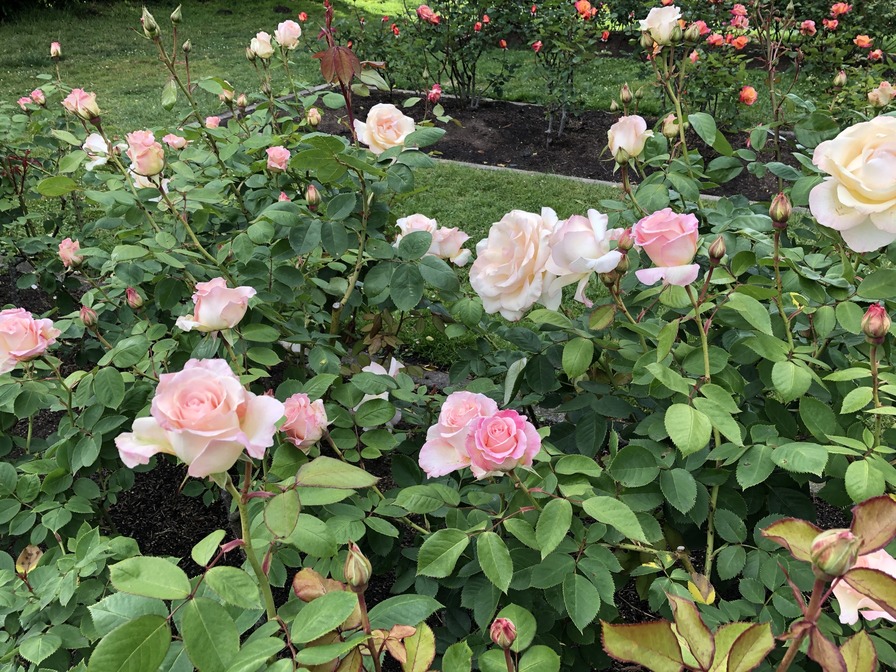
<point x="751" y="648"/>
<point x="874" y="522"/>
<point x="346" y="64"/>
<point x="824" y="652"/>
<point x="653" y="645"/>
<point x="793" y="534"/>
<point x="876" y="585"/>
<point x="859" y="654"/>
<point x="693" y="629"/>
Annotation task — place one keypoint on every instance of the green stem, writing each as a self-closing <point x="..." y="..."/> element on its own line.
<point x="811" y="615"/>
<point x="780" y="287"/>
<point x="508" y="660"/>
<point x="365" y="622"/>
<point x="875" y="392"/>
<point x="522" y="486"/>
<point x="68" y="391"/>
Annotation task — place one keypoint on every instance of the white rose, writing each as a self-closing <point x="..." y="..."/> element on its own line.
<point x="261" y="45"/>
<point x="661" y="22"/>
<point x="629" y="134"/>
<point x="97" y="151"/>
<point x="386" y="127"/>
<point x="859" y="197"/>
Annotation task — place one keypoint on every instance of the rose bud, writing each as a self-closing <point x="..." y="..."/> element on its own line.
<point x="434" y="94"/>
<point x="625" y="242"/>
<point x="692" y="34"/>
<point x="176" y="16"/>
<point x="609" y="279"/>
<point x="242" y="101"/>
<point x="250" y="54"/>
<point x="670" y="126"/>
<point x="623" y="265"/>
<point x="312" y="197"/>
<point x="503" y="632"/>
<point x="833" y="553"/>
<point x="134" y="300"/>
<point x="88" y="316"/>
<point x="226" y="96"/>
<point x="313" y="117"/>
<point x="38" y="97"/>
<point x="647" y="41"/>
<point x="840" y="79"/>
<point x="717" y="251"/>
<point x="357" y="569"/>
<point x="625" y="94"/>
<point x="187" y="47"/>
<point x="614" y="106"/>
<point x="68" y="253"/>
<point x="780" y="210"/>
<point x="150" y="27"/>
<point x="55" y="50"/>
<point x="502" y="44"/>
<point x="876" y="324"/>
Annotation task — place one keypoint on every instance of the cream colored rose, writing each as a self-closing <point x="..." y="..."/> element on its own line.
<point x="260" y="45"/>
<point x="510" y="271"/>
<point x="447" y="242"/>
<point x="217" y="306"/>
<point x="628" y="134"/>
<point x="859" y="197"/>
<point x="385" y="127"/>
<point x="661" y="23"/>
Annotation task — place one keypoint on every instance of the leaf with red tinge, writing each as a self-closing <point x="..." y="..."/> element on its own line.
<point x="793" y="534"/>
<point x="338" y="64"/>
<point x="693" y="629"/>
<point x="859" y="654"/>
<point x="421" y="650"/>
<point x="824" y="652"/>
<point x="876" y="585"/>
<point x="874" y="521"/>
<point x="653" y="645"/>
<point x="751" y="648"/>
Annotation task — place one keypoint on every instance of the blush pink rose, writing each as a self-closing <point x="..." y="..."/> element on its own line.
<point x="260" y="45"/>
<point x="288" y="34"/>
<point x="278" y="158"/>
<point x="205" y="417"/>
<point x="501" y="442"/>
<point x="629" y="135"/>
<point x="447" y="243"/>
<point x="385" y="127"/>
<point x="55" y="50"/>
<point x="22" y="337"/>
<point x="283" y="196"/>
<point x="670" y="240"/>
<point x="82" y="104"/>
<point x="174" y="141"/>
<point x="212" y="122"/>
<point x="24" y="102"/>
<point x="445" y="449"/>
<point x="852" y="602"/>
<point x="38" y="97"/>
<point x="808" y="28"/>
<point x="147" y="156"/>
<point x="68" y="253"/>
<point x="217" y="306"/>
<point x="306" y="421"/>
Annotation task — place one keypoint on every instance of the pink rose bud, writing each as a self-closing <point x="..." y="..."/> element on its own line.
<point x="876" y="324"/>
<point x="82" y="104"/>
<point x="288" y="34"/>
<point x="134" y="300"/>
<point x="24" y="101"/>
<point x="283" y="197"/>
<point x="68" y="253"/>
<point x="147" y="156"/>
<point x="226" y="96"/>
<point x="503" y="632"/>
<point x="486" y="19"/>
<point x="312" y="197"/>
<point x="748" y="95"/>
<point x="840" y="79"/>
<point x="625" y="242"/>
<point x="357" y="569"/>
<point x="55" y="50"/>
<point x="717" y="251"/>
<point x="303" y="16"/>
<point x="278" y="158"/>
<point x="834" y="552"/>
<point x="242" y="101"/>
<point x="670" y="126"/>
<point x="212" y="122"/>
<point x="217" y="306"/>
<point x="88" y="316"/>
<point x="174" y="141"/>
<point x="537" y="46"/>
<point x="477" y="27"/>
<point x="313" y="117"/>
<point x="23" y="338"/>
<point x="670" y="240"/>
<point x="434" y="94"/>
<point x="306" y="421"/>
<point x="38" y="97"/>
<point x="780" y="210"/>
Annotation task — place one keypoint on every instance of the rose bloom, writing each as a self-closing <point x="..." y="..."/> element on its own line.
<point x="863" y="41"/>
<point x="38" y="97"/>
<point x="278" y="158"/>
<point x="740" y="42"/>
<point x="740" y="22"/>
<point x="536" y="46"/>
<point x="68" y="253"/>
<point x="585" y="10"/>
<point x="82" y="104"/>
<point x="748" y="95"/>
<point x="693" y="57"/>
<point x="22" y="337"/>
<point x="739" y="10"/>
<point x="486" y="19"/>
<point x="807" y="28"/>
<point x="830" y="24"/>
<point x="629" y="134"/>
<point x="670" y="240"/>
<point x="715" y="40"/>
<point x="702" y="28"/>
<point x="840" y="8"/>
<point x="501" y="442"/>
<point x="288" y="34"/>
<point x="303" y="16"/>
<point x="147" y="156"/>
<point x="435" y="94"/>
<point x="661" y="22"/>
<point x="875" y="55"/>
<point x="502" y="43"/>
<point x="425" y="13"/>
<point x="205" y="417"/>
<point x="385" y="127"/>
<point x="174" y="141"/>
<point x="395" y="31"/>
<point x="212" y="122"/>
<point x="509" y="273"/>
<point x="447" y="243"/>
<point x="55" y="50"/>
<point x="605" y="35"/>
<point x="859" y="196"/>
<point x="24" y="101"/>
<point x="852" y="602"/>
<point x="477" y="27"/>
<point x="445" y="449"/>
<point x="283" y="196"/>
<point x="217" y="306"/>
<point x="260" y="45"/>
<point x="306" y="421"/>
<point x="580" y="246"/>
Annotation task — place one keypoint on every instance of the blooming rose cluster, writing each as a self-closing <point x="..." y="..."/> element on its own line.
<point x="384" y="128"/>
<point x="472" y="432"/>
<point x="23" y="338"/>
<point x="217" y="306"/>
<point x="447" y="242"/>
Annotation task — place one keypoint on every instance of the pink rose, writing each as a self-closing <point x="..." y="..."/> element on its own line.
<point x="434" y="95"/>
<point x="217" y="306"/>
<point x="284" y="196"/>
<point x="445" y="449"/>
<point x="68" y="253"/>
<point x="425" y="13"/>
<point x="385" y="127"/>
<point x="38" y="97"/>
<point x="306" y="421"/>
<point x="702" y="28"/>
<point x="739" y="10"/>
<point x="174" y="141"/>
<point x="147" y="156"/>
<point x="288" y="34"/>
<point x="715" y="40"/>
<point x="501" y="442"/>
<point x="212" y="122"/>
<point x="55" y="50"/>
<point x="447" y="243"/>
<point x="24" y="102"/>
<point x="852" y="601"/>
<point x="740" y="22"/>
<point x="82" y="104"/>
<point x="670" y="240"/>
<point x="278" y="158"/>
<point x="629" y="135"/>
<point x="205" y="417"/>
<point x="807" y="28"/>
<point x="22" y="337"/>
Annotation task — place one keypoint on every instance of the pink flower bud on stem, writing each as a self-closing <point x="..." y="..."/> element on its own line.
<point x="780" y="210"/>
<point x="876" y="324"/>
<point x="503" y="632"/>
<point x="834" y="552"/>
<point x="357" y="569"/>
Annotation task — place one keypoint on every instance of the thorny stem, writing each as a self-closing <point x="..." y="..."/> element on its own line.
<point x="811" y="615"/>
<point x="780" y="287"/>
<point x="617" y="298"/>
<point x="522" y="486"/>
<point x="627" y="188"/>
<point x="365" y="622"/>
<point x="875" y="391"/>
<point x="359" y="263"/>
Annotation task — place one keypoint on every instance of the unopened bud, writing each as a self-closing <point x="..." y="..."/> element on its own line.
<point x="625" y="94"/>
<point x="647" y="41"/>
<point x="876" y="323"/>
<point x="780" y="210"/>
<point x="226" y="96"/>
<point x="150" y="27"/>
<point x="312" y="197"/>
<point x="609" y="279"/>
<point x="503" y="632"/>
<point x="639" y="93"/>
<point x="88" y="316"/>
<point x="614" y="106"/>
<point x="840" y="79"/>
<point x="187" y="47"/>
<point x="622" y="157"/>
<point x="717" y="251"/>
<point x="266" y="87"/>
<point x="250" y="54"/>
<point x="134" y="300"/>
<point x="670" y="126"/>
<point x="625" y="242"/>
<point x="834" y="552"/>
<point x="692" y="34"/>
<point x="242" y="101"/>
<point x="313" y="117"/>
<point x="357" y="569"/>
<point x="623" y="265"/>
<point x="676" y="34"/>
<point x="176" y="16"/>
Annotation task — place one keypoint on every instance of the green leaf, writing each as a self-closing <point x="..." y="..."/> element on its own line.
<point x="150" y="577"/>
<point x="859" y="654"/>
<point x="323" y="615"/>
<point x="414" y="245"/>
<point x="423" y="499"/>
<point x="689" y="429"/>
<point x="169" y="95"/>
<point x="210" y="635"/>
<point x="439" y="274"/>
<point x="679" y="489"/>
<point x="137" y="646"/>
<point x="440" y="552"/>
<point x="577" y="355"/>
<point x="653" y="645"/>
<point x="730" y="562"/>
<point x="402" y="609"/>
<point x="581" y="599"/>
<point x="881" y="284"/>
<point x="494" y="558"/>
<point x="108" y="386"/>
<point x="569" y="465"/>
<point x="801" y="458"/>
<point x="406" y="288"/>
<point x="856" y="400"/>
<point x="328" y="472"/>
<point x="281" y="513"/>
<point x="40" y="647"/>
<point x="374" y="412"/>
<point x="321" y="654"/>
<point x="791" y="380"/>
<point x="751" y="310"/>
<point x="254" y="653"/>
<point x="119" y="608"/>
<point x="863" y="481"/>
<point x="552" y="526"/>
<point x="730" y="526"/>
<point x="750" y="648"/>
<point x="458" y="658"/>
<point x="59" y="185"/>
<point x="203" y="552"/>
<point x="819" y="418"/>
<point x="421" y="650"/>
<point x="611" y="511"/>
<point x="234" y="586"/>
<point x="540" y="658"/>
<point x="634" y="466"/>
<point x="755" y="466"/>
<point x="260" y="333"/>
<point x="795" y="535"/>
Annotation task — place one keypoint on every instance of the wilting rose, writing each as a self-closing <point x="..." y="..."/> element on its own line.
<point x="629" y="135"/>
<point x="205" y="417"/>
<point x="510" y="270"/>
<point x="852" y="602"/>
<point x="82" y="104"/>
<point x="278" y="158"/>
<point x="306" y="420"/>
<point x="385" y="127"/>
<point x="839" y="9"/>
<point x="22" y="337"/>
<point x="147" y="156"/>
<point x="859" y="197"/>
<point x="580" y="246"/>
<point x="807" y="28"/>
<point x="447" y="242"/>
<point x="425" y="13"/>
<point x="260" y="45"/>
<point x="287" y="34"/>
<point x="68" y="253"/>
<point x="445" y="449"/>
<point x="882" y="95"/>
<point x="38" y="97"/>
<point x="670" y="240"/>
<point x="501" y="442"/>
<point x="55" y="50"/>
<point x="212" y="122"/>
<point x="661" y="23"/>
<point x="748" y="95"/>
<point x="174" y="141"/>
<point x="217" y="306"/>
<point x="861" y="41"/>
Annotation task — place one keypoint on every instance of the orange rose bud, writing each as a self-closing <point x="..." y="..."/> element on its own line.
<point x="717" y="251"/>
<point x="780" y="210"/>
<point x="357" y="569"/>
<point x="876" y="324"/>
<point x="88" y="316"/>
<point x="503" y="632"/>
<point x="834" y="552"/>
